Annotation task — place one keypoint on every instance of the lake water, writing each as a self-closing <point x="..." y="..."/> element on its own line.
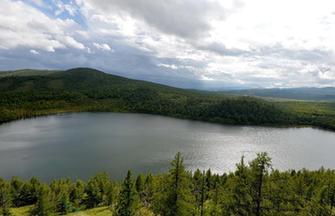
<point x="82" y="144"/>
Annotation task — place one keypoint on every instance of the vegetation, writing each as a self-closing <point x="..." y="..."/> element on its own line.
<point x="254" y="189"/>
<point x="317" y="94"/>
<point x="29" y="93"/>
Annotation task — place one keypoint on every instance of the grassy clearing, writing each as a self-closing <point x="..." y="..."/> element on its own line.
<point x="101" y="211"/>
<point x="22" y="211"/>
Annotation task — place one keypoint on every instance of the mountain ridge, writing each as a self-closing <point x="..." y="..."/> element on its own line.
<point x="85" y="89"/>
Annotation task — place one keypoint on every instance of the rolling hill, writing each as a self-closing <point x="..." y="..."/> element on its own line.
<point x="30" y="93"/>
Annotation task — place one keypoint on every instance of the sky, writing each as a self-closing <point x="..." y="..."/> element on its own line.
<point x="203" y="44"/>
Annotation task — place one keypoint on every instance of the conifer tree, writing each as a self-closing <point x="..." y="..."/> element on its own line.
<point x="5" y="198"/>
<point x="128" y="203"/>
<point x="97" y="190"/>
<point x="77" y="192"/>
<point x="259" y="169"/>
<point x="200" y="190"/>
<point x="215" y="207"/>
<point x="44" y="205"/>
<point x="16" y="186"/>
<point x="148" y="191"/>
<point x="63" y="203"/>
<point x="241" y="198"/>
<point x="180" y="200"/>
<point x="140" y="186"/>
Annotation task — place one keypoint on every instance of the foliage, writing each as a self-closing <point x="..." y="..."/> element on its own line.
<point x="255" y="188"/>
<point x="27" y="94"/>
<point x="129" y="202"/>
<point x="5" y="198"/>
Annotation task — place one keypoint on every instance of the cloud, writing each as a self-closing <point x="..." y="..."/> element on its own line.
<point x="34" y="52"/>
<point x="102" y="46"/>
<point x="63" y="7"/>
<point x="209" y="44"/>
<point x="185" y="18"/>
<point x="24" y="26"/>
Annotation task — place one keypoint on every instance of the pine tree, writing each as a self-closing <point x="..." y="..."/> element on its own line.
<point x="112" y="194"/>
<point x="64" y="204"/>
<point x="180" y="199"/>
<point x="61" y="190"/>
<point x="17" y="185"/>
<point x="5" y="198"/>
<point x="259" y="169"/>
<point x="77" y="193"/>
<point x="97" y="190"/>
<point x="44" y="205"/>
<point x="200" y="190"/>
<point x="241" y="198"/>
<point x="128" y="202"/>
<point x="215" y="208"/>
<point x="148" y="191"/>
<point x="140" y="186"/>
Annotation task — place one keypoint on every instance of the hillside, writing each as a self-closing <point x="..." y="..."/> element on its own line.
<point x="34" y="93"/>
<point x="316" y="94"/>
<point x="254" y="188"/>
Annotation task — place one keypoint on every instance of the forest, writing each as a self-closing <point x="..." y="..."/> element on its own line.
<point x="254" y="188"/>
<point x="25" y="94"/>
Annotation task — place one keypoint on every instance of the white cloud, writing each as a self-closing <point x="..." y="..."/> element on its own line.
<point x="253" y="43"/>
<point x="24" y="26"/>
<point x="34" y="52"/>
<point x="71" y="42"/>
<point x="62" y="7"/>
<point x="102" y="46"/>
<point x="171" y="66"/>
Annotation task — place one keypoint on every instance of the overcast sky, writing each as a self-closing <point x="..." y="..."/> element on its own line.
<point x="207" y="44"/>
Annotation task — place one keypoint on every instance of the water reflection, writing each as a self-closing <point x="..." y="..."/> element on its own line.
<point x="79" y="145"/>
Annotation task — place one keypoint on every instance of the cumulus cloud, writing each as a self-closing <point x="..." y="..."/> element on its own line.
<point x="208" y="44"/>
<point x="63" y="7"/>
<point x="24" y="26"/>
<point x="34" y="52"/>
<point x="102" y="46"/>
<point x="184" y="18"/>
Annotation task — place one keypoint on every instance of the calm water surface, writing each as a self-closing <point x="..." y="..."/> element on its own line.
<point x="80" y="145"/>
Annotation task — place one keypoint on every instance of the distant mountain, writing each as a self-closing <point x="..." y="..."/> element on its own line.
<point x="317" y="94"/>
<point x="27" y="72"/>
<point x="29" y="93"/>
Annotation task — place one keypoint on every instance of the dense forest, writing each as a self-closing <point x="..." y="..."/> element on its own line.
<point x="30" y="93"/>
<point x="254" y="188"/>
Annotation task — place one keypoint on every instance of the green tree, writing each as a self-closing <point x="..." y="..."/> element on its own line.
<point x="128" y="203"/>
<point x="140" y="181"/>
<point x="61" y="190"/>
<point x="29" y="193"/>
<point x="241" y="200"/>
<point x="77" y="193"/>
<point x="5" y="198"/>
<point x="97" y="190"/>
<point x="63" y="204"/>
<point x="180" y="200"/>
<point x="44" y="205"/>
<point x="16" y="186"/>
<point x="148" y="192"/>
<point x="259" y="169"/>
<point x="215" y="196"/>
<point x="200" y="190"/>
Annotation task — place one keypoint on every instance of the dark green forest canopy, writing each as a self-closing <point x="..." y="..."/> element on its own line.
<point x="254" y="189"/>
<point x="29" y="93"/>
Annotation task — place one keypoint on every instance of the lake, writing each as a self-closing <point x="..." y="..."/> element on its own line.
<point x="82" y="144"/>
